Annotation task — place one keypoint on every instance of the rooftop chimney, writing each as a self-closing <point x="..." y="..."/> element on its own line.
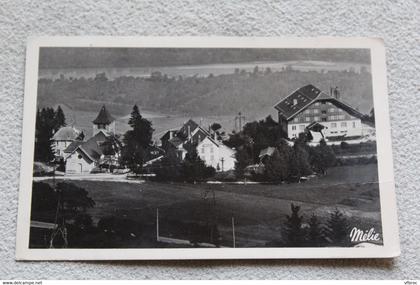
<point x="336" y="93"/>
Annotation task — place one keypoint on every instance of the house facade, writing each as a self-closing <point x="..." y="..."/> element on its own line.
<point x="309" y="105"/>
<point x="63" y="138"/>
<point x="216" y="154"/>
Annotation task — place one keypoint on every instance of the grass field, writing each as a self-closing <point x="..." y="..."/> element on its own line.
<point x="259" y="210"/>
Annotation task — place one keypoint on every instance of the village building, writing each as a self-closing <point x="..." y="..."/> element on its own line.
<point x="212" y="151"/>
<point x="102" y="150"/>
<point x="63" y="138"/>
<point x="310" y="107"/>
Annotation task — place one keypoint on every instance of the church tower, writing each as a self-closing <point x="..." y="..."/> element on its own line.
<point x="104" y="122"/>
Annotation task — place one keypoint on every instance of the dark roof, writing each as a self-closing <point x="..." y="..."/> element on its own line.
<point x="175" y="141"/>
<point x="191" y="125"/>
<point x="72" y="146"/>
<point x="104" y="117"/>
<point x="300" y="99"/>
<point x="66" y="134"/>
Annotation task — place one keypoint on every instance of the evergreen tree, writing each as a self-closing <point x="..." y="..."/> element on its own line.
<point x="276" y="167"/>
<point x="193" y="168"/>
<point x="169" y="167"/>
<point x="136" y="141"/>
<point x="294" y="234"/>
<point x="45" y="128"/>
<point x="315" y="236"/>
<point x="60" y="119"/>
<point x="337" y="229"/>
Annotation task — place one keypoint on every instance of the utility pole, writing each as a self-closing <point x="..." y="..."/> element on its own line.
<point x="233" y="232"/>
<point x="157" y="224"/>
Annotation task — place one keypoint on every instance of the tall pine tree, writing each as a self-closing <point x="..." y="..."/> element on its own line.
<point x="295" y="234"/>
<point x="44" y="131"/>
<point x="60" y="119"/>
<point x="338" y="229"/>
<point x="136" y="141"/>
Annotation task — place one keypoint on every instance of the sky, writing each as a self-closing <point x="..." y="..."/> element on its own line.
<point x="53" y="57"/>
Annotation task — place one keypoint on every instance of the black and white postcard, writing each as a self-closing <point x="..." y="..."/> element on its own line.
<point x="206" y="148"/>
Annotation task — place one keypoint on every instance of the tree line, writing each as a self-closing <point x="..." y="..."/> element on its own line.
<point x="224" y="94"/>
<point x="287" y="162"/>
<point x="314" y="233"/>
<point x="48" y="122"/>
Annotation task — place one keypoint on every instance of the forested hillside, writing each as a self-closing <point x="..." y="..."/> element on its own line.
<point x="226" y="94"/>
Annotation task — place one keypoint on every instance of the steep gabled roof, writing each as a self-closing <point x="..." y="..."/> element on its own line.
<point x="73" y="146"/>
<point x="104" y="117"/>
<point x="303" y="97"/>
<point x="189" y="125"/>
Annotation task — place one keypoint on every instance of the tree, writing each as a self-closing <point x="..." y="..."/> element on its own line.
<point x="74" y="199"/>
<point x="322" y="157"/>
<point x="136" y="141"/>
<point x="337" y="228"/>
<point x="45" y="128"/>
<point x="168" y="169"/>
<point x="215" y="127"/>
<point x="295" y="235"/>
<point x="276" y="167"/>
<point x="193" y="168"/>
<point x="60" y="119"/>
<point x="315" y="236"/>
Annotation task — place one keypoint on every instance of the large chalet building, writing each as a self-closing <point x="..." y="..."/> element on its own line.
<point x="308" y="107"/>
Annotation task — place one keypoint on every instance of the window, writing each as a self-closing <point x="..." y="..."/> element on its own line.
<point x="296" y="120"/>
<point x="316" y="111"/>
<point x="323" y="102"/>
<point x="317" y="104"/>
<point x="212" y="157"/>
<point x="211" y="149"/>
<point x="202" y="150"/>
<point x="331" y="110"/>
<point x="354" y="124"/>
<point x="293" y="128"/>
<point x="307" y="111"/>
<point x="341" y="117"/>
<point x="344" y="124"/>
<point x="307" y="119"/>
<point x="323" y="112"/>
<point x="316" y="118"/>
<point x="333" y="125"/>
<point x="324" y="119"/>
<point x="302" y="127"/>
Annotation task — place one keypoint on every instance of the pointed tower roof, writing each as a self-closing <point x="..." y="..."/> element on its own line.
<point x="104" y="117"/>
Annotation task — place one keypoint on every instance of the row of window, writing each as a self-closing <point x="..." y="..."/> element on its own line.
<point x="316" y="111"/>
<point x="332" y="125"/>
<point x="323" y="119"/>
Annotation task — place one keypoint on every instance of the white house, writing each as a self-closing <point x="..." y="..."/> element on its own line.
<point x="213" y="152"/>
<point x="63" y="138"/>
<point x="216" y="154"/>
<point x="309" y="105"/>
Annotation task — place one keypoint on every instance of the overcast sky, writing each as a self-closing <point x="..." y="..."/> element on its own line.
<point x="154" y="57"/>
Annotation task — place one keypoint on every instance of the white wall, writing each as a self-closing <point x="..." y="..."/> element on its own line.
<point x="213" y="155"/>
<point x="76" y="164"/>
<point x="351" y="128"/>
